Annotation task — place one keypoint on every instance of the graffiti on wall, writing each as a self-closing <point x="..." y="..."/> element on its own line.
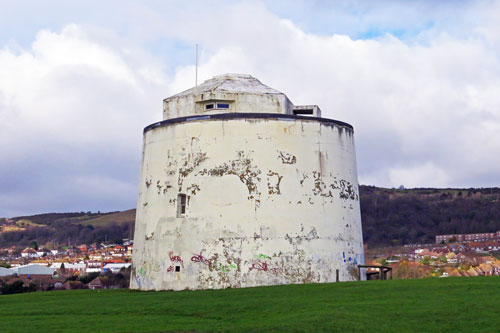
<point x="212" y="263"/>
<point x="353" y="258"/>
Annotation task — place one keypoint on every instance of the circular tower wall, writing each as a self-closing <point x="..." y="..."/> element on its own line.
<point x="241" y="200"/>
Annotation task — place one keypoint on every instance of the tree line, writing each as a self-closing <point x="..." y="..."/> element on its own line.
<point x="389" y="217"/>
<point x="402" y="216"/>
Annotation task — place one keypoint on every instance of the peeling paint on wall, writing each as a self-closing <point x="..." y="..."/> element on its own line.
<point x="259" y="212"/>
<point x="242" y="167"/>
<point x="287" y="158"/>
<point x="273" y="182"/>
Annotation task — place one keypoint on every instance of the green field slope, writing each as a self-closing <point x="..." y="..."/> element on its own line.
<point x="126" y="216"/>
<point x="427" y="305"/>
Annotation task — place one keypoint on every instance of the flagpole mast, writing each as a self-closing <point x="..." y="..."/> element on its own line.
<point x="196" y="71"/>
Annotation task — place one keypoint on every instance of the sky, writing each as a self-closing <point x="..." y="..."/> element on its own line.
<point x="79" y="80"/>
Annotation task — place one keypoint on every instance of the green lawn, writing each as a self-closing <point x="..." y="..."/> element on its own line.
<point x="426" y="305"/>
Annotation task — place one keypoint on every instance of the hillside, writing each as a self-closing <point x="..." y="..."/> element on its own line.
<point x="406" y="216"/>
<point x="421" y="305"/>
<point x="66" y="229"/>
<point x="390" y="217"/>
<point x="127" y="216"/>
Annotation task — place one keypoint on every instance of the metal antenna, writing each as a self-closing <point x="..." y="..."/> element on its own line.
<point x="196" y="72"/>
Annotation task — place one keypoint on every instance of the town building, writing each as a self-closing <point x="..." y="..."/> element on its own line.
<point x="29" y="253"/>
<point x="477" y="237"/>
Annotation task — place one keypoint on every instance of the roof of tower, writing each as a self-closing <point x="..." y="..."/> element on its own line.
<point x="232" y="93"/>
<point x="230" y="83"/>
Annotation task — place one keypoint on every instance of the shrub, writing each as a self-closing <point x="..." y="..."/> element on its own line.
<point x="17" y="287"/>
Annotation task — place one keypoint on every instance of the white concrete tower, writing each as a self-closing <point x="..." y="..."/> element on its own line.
<point x="240" y="188"/>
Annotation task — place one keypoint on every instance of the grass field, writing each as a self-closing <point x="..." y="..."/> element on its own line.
<point x="427" y="305"/>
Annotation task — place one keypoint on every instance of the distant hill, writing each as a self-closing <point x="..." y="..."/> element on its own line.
<point x="389" y="216"/>
<point x="402" y="216"/>
<point x="66" y="229"/>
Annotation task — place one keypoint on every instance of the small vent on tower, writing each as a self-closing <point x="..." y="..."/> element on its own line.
<point x="303" y="111"/>
<point x="307" y="110"/>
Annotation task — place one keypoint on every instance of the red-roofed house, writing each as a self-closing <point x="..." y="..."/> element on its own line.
<point x="99" y="283"/>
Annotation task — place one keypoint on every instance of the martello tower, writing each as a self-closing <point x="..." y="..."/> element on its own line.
<point x="240" y="188"/>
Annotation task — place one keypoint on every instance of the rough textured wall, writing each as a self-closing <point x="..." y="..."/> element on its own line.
<point x="189" y="105"/>
<point x="269" y="202"/>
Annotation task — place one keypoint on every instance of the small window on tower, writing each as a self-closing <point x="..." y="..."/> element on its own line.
<point x="222" y="105"/>
<point x="181" y="205"/>
<point x="209" y="106"/>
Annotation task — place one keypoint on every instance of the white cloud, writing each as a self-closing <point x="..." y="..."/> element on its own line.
<point x="425" y="107"/>
<point x="73" y="109"/>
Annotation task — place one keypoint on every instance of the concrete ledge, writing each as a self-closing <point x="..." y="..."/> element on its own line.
<point x="238" y="116"/>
